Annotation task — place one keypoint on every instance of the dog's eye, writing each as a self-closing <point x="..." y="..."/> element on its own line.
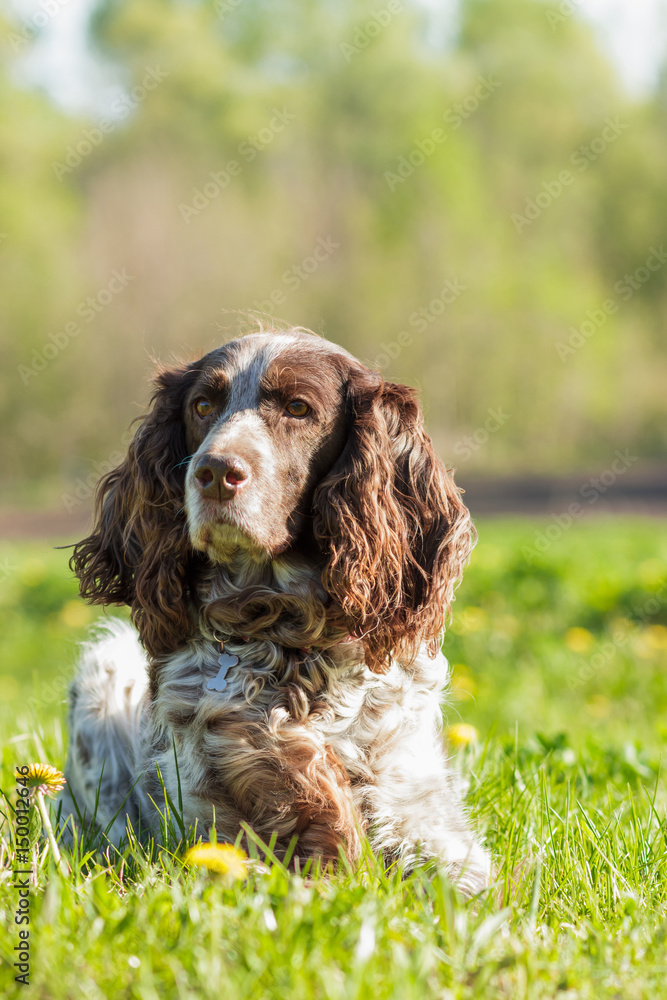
<point x="203" y="407"/>
<point x="297" y="408"/>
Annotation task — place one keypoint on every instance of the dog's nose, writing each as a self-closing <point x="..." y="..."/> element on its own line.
<point x="220" y="478"/>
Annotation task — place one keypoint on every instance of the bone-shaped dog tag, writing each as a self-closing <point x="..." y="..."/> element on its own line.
<point x="226" y="661"/>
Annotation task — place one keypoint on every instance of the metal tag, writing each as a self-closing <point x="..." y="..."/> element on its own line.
<point x="226" y="661"/>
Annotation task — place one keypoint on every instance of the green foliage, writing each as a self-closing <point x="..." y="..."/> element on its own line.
<point x="565" y="785"/>
<point x="573" y="639"/>
<point x="359" y="102"/>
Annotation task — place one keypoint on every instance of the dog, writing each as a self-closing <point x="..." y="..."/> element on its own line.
<point x="288" y="543"/>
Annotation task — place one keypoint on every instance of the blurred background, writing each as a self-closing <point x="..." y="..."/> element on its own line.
<point x="469" y="196"/>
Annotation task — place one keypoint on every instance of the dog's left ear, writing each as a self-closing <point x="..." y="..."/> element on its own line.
<point x="391" y="524"/>
<point x="138" y="551"/>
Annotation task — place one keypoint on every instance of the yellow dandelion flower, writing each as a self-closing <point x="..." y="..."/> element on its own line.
<point x="462" y="734"/>
<point x="599" y="707"/>
<point x="579" y="640"/>
<point x="46" y="779"/>
<point x="222" y="858"/>
<point x="76" y="614"/>
<point x="656" y="636"/>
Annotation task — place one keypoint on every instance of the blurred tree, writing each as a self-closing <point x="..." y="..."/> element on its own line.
<point x="40" y="228"/>
<point x="473" y="204"/>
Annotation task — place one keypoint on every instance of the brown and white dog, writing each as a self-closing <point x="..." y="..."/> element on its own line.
<point x="288" y="543"/>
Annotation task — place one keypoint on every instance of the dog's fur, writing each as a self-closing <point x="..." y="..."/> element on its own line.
<point x="326" y="561"/>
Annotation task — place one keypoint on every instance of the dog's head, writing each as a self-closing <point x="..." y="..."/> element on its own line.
<point x="273" y="444"/>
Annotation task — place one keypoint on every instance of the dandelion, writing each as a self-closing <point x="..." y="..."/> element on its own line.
<point x="462" y="734"/>
<point x="225" y="859"/>
<point x="656" y="636"/>
<point x="46" y="780"/>
<point x="76" y="614"/>
<point x="579" y="640"/>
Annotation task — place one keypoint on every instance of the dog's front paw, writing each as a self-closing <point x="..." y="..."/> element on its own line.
<point x="471" y="874"/>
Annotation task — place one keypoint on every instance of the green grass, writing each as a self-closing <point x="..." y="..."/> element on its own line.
<point x="560" y="662"/>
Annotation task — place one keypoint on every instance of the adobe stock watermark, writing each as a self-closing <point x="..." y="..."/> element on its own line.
<point x="46" y="11"/>
<point x="469" y="444"/>
<point x="7" y="569"/>
<point x="565" y="11"/>
<point x="87" y="310"/>
<point x="590" y="491"/>
<point x="364" y="34"/>
<point x="426" y="146"/>
<point x="420" y="320"/>
<point x="90" y="138"/>
<point x="393" y="350"/>
<point x="602" y="656"/>
<point x="596" y="318"/>
<point x="582" y="157"/>
<point x="50" y="693"/>
<point x="225" y="7"/>
<point x="22" y="874"/>
<point x="246" y="151"/>
<point x="294" y="277"/>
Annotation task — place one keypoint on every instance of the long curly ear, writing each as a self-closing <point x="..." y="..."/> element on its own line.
<point x="138" y="551"/>
<point x="391" y="524"/>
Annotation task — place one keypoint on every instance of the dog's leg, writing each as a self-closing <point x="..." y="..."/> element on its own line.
<point x="414" y="804"/>
<point x="106" y="700"/>
<point x="416" y="815"/>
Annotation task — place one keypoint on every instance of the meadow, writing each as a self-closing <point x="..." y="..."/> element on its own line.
<point x="556" y="718"/>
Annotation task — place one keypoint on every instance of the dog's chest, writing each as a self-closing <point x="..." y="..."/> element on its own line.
<point x="206" y="691"/>
<point x="268" y="757"/>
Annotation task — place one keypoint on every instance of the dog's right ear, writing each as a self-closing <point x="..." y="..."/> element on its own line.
<point x="392" y="526"/>
<point x="138" y="551"/>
